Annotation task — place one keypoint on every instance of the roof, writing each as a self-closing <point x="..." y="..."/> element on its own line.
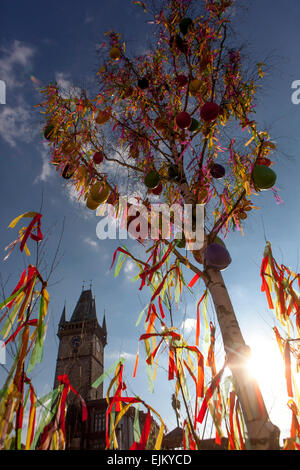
<point x="174" y="438"/>
<point x="85" y="308"/>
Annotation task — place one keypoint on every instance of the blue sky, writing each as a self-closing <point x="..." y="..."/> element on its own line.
<point x="60" y="43"/>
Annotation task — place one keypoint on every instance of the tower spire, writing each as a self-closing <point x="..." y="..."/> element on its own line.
<point x="62" y="320"/>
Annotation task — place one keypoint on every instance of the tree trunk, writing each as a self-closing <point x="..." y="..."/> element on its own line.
<point x="262" y="434"/>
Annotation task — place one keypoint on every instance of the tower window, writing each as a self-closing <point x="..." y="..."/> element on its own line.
<point x="99" y="421"/>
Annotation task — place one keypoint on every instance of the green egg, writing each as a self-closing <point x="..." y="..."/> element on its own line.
<point x="263" y="177"/>
<point x="152" y="179"/>
<point x="194" y="126"/>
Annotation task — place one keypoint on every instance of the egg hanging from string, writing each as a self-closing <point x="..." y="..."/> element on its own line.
<point x="217" y="171"/>
<point x="217" y="256"/>
<point x="183" y="120"/>
<point x="209" y="112"/>
<point x="98" y="158"/>
<point x="263" y="177"/>
<point x="152" y="179"/>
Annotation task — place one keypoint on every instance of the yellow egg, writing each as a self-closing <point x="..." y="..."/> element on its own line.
<point x="91" y="204"/>
<point x="99" y="192"/>
<point x="115" y="53"/>
<point x="194" y="86"/>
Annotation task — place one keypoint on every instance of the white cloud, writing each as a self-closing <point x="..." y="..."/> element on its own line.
<point x="114" y="355"/>
<point x="12" y="58"/>
<point x="67" y="88"/>
<point x="47" y="169"/>
<point x="188" y="325"/>
<point x="16" y="124"/>
<point x="92" y="243"/>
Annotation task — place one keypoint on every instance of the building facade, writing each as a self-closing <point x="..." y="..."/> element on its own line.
<point x="81" y="356"/>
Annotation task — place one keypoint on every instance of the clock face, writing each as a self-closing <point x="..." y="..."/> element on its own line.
<point x="76" y="341"/>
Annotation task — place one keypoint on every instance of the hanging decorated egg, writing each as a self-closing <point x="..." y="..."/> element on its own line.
<point x="67" y="172"/>
<point x="181" y="242"/>
<point x="178" y="43"/>
<point x="181" y="81"/>
<point x="152" y="179"/>
<point x="99" y="192"/>
<point x="263" y="177"/>
<point x="217" y="171"/>
<point x="173" y="172"/>
<point x="68" y="147"/>
<point x="183" y="120"/>
<point x="217" y="256"/>
<point x="194" y="86"/>
<point x="49" y="131"/>
<point x="194" y="125"/>
<point x="143" y="83"/>
<point x="98" y="158"/>
<point x="91" y="204"/>
<point x="102" y="117"/>
<point x="184" y="25"/>
<point x="158" y="190"/>
<point x="209" y="112"/>
<point x="115" y="53"/>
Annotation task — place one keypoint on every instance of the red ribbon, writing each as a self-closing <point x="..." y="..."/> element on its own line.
<point x="64" y="379"/>
<point x="38" y="237"/>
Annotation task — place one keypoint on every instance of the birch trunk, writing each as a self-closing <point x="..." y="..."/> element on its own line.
<point x="262" y="434"/>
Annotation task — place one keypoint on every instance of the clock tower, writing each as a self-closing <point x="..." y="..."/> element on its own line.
<point x="81" y="347"/>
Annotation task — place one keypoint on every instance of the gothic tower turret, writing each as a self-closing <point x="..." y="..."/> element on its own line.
<point x="81" y="347"/>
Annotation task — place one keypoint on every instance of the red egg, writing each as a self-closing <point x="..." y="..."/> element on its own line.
<point x="158" y="190"/>
<point x="98" y="158"/>
<point x="217" y="171"/>
<point x="209" y="112"/>
<point x="183" y="120"/>
<point x="181" y="80"/>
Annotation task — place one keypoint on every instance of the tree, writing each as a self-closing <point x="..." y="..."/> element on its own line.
<point x="171" y="119"/>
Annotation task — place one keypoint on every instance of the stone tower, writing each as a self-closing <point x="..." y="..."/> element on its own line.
<point x="81" y="347"/>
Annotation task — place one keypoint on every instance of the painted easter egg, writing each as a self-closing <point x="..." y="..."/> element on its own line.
<point x="67" y="172"/>
<point x="181" y="81"/>
<point x="102" y="117"/>
<point x="183" y="120"/>
<point x="98" y="158"/>
<point x="194" y="86"/>
<point x="91" y="204"/>
<point x="180" y="243"/>
<point x="217" y="171"/>
<point x="158" y="190"/>
<point x="143" y="83"/>
<point x="152" y="179"/>
<point x="217" y="256"/>
<point x="263" y="177"/>
<point x="209" y="112"/>
<point x="194" y="125"/>
<point x="49" y="131"/>
<point x="99" y="192"/>
<point x="115" y="53"/>
<point x="173" y="172"/>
